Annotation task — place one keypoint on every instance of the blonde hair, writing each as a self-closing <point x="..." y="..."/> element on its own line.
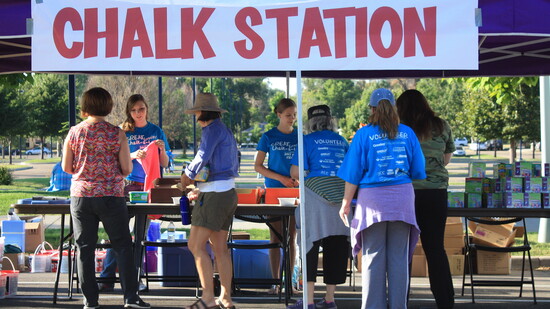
<point x="385" y="116"/>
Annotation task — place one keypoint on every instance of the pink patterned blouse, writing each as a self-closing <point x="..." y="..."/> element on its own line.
<point x="96" y="167"/>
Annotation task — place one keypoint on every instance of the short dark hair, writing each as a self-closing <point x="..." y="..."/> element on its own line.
<point x="209" y="115"/>
<point x="96" y="102"/>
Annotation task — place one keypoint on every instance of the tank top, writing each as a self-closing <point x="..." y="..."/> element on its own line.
<point x="96" y="167"/>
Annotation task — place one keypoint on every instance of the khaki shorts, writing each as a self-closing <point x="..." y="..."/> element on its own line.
<point x="214" y="210"/>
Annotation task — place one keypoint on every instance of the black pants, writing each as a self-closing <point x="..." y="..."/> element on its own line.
<point x="431" y="215"/>
<point x="336" y="251"/>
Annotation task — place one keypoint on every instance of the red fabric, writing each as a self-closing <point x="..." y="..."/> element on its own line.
<point x="151" y="167"/>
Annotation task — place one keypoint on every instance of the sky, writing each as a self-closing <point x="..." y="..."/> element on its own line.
<point x="280" y="83"/>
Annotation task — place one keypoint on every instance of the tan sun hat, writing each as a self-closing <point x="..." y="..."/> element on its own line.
<point x="206" y="102"/>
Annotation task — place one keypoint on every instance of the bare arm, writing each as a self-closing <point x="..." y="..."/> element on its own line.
<point x="124" y="155"/>
<point x="260" y="168"/>
<point x="447" y="158"/>
<point x="67" y="160"/>
<point x="294" y="171"/>
<point x="349" y="192"/>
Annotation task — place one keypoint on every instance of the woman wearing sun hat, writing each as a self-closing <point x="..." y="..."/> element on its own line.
<point x="216" y="202"/>
<point x="383" y="159"/>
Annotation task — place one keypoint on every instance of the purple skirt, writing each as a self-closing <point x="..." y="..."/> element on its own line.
<point x="379" y="204"/>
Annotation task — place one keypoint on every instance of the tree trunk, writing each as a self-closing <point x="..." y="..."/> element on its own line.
<point x="9" y="151"/>
<point x="512" y="151"/>
<point x="534" y="145"/>
<point x="42" y="147"/>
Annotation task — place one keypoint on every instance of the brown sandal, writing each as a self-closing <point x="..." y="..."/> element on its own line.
<point x="200" y="304"/>
<point x="221" y="306"/>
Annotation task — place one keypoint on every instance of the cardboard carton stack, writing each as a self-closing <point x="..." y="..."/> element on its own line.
<point x="454" y="244"/>
<point x="164" y="189"/>
<point x="493" y="263"/>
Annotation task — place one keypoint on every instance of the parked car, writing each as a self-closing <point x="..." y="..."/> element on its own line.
<point x="14" y="151"/>
<point x="36" y="150"/>
<point x="478" y="145"/>
<point x="459" y="152"/>
<point x="495" y="144"/>
<point x="461" y="141"/>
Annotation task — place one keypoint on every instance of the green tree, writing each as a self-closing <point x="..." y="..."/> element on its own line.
<point x="518" y="99"/>
<point x="46" y="104"/>
<point x="12" y="118"/>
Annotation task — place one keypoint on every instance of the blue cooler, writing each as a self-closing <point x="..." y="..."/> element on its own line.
<point x="14" y="233"/>
<point x="252" y="263"/>
<point x="177" y="261"/>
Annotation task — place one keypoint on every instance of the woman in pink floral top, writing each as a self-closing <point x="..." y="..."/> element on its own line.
<point x="96" y="153"/>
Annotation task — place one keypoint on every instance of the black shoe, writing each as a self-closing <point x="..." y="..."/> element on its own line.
<point x="138" y="304"/>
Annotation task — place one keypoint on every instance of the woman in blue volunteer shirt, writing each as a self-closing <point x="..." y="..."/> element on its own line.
<point x="324" y="151"/>
<point x="383" y="159"/>
<point x="140" y="133"/>
<point x="279" y="143"/>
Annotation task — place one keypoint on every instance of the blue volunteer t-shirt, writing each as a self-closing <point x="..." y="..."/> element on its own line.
<point x="374" y="160"/>
<point x="139" y="139"/>
<point x="325" y="151"/>
<point x="280" y="148"/>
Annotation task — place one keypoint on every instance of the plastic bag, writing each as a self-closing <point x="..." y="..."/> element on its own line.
<point x="42" y="258"/>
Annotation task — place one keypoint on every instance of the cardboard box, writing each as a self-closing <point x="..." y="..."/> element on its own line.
<point x="532" y="200"/>
<point x="514" y="200"/>
<point x="34" y="235"/>
<point x="454" y="229"/>
<point x="164" y="189"/>
<point x="18" y="260"/>
<point x="514" y="184"/>
<point x="523" y="168"/>
<point x="455" y="199"/>
<point x="537" y="169"/>
<point x="493" y="263"/>
<point x="418" y="250"/>
<point x="453" y="220"/>
<point x="456" y="264"/>
<point x="475" y="200"/>
<point x="546" y="200"/>
<point x="419" y="266"/>
<point x="493" y="200"/>
<point x="477" y="169"/>
<point x="453" y="241"/>
<point x="533" y="184"/>
<point x="491" y="235"/>
<point x="474" y="185"/>
<point x="454" y="251"/>
<point x="499" y="170"/>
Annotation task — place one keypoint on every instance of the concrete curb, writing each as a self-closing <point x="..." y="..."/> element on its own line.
<point x="538" y="261"/>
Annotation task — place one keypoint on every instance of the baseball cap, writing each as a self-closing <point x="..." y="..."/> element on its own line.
<point x="318" y="110"/>
<point x="381" y="94"/>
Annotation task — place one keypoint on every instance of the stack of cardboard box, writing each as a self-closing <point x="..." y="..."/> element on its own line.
<point x="493" y="263"/>
<point x="454" y="246"/>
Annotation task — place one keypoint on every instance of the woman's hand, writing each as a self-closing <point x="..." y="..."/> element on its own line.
<point x="344" y="212"/>
<point x="193" y="195"/>
<point x="289" y="182"/>
<point x="138" y="154"/>
<point x="185" y="181"/>
<point x="160" y="144"/>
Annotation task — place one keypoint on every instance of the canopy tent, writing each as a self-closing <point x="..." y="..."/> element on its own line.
<point x="514" y="40"/>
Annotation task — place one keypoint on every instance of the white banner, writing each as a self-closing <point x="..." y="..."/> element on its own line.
<point x="179" y="35"/>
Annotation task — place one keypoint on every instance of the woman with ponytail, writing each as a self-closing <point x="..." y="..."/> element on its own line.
<point x="383" y="159"/>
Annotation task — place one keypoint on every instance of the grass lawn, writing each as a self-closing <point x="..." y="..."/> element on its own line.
<point x="25" y="188"/>
<point x="52" y="235"/>
<point x="46" y="159"/>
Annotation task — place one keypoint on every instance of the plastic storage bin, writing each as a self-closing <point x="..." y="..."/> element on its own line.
<point x="252" y="263"/>
<point x="272" y="194"/>
<point x="176" y="262"/>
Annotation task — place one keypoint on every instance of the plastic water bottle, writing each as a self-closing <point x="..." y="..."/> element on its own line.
<point x="171" y="237"/>
<point x="184" y="210"/>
